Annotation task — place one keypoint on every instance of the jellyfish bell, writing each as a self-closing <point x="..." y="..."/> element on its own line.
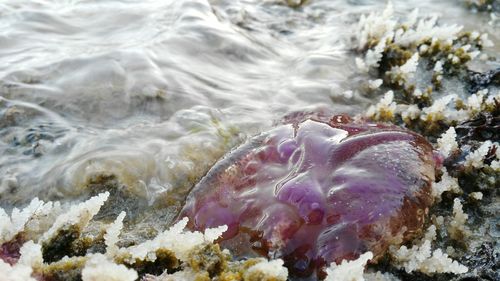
<point x="316" y="190"/>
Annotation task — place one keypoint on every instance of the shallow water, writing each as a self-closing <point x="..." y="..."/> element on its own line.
<point x="154" y="92"/>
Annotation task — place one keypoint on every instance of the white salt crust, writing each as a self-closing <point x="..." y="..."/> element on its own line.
<point x="409" y="112"/>
<point x="375" y="84"/>
<point x="18" y="272"/>
<point x="79" y="215"/>
<point x="31" y="257"/>
<point x="175" y="239"/>
<point x="34" y="217"/>
<point x="112" y="235"/>
<point x="476" y="195"/>
<point x="385" y="106"/>
<point x="475" y="159"/>
<point x="438" y="110"/>
<point x="426" y="28"/>
<point x="421" y="257"/>
<point x="262" y="271"/>
<point x="32" y="221"/>
<point x="495" y="165"/>
<point x="475" y="101"/>
<point x="410" y="65"/>
<point x="99" y="268"/>
<point x="457" y="228"/>
<point x="379" y="276"/>
<point x="183" y="275"/>
<point x="447" y="142"/>
<point x="438" y="67"/>
<point x="447" y="183"/>
<point x="441" y="109"/>
<point x="374" y="26"/>
<point x="380" y="28"/>
<point x="271" y="270"/>
<point x="45" y="219"/>
<point x="349" y="270"/>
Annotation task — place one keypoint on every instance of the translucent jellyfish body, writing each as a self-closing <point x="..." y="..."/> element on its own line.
<point x="317" y="191"/>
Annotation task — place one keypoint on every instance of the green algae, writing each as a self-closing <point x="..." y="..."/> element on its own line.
<point x="165" y="260"/>
<point x="63" y="270"/>
<point x="208" y="258"/>
<point x="296" y="3"/>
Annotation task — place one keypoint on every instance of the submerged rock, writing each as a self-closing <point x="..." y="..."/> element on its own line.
<point x="318" y="190"/>
<point x="479" y="81"/>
